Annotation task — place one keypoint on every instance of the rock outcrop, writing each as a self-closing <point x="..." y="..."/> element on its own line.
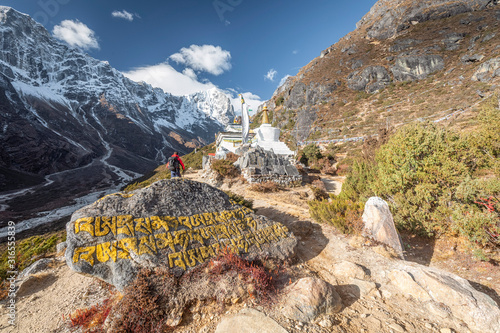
<point x="173" y="224"/>
<point x="412" y="68"/>
<point x="301" y="94"/>
<point x="249" y="321"/>
<point x="487" y="70"/>
<point x="418" y="293"/>
<point x="388" y="17"/>
<point x="370" y="79"/>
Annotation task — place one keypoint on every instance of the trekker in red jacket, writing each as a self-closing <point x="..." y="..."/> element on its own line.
<point x="174" y="165"/>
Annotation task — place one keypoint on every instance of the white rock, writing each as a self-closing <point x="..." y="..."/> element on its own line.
<point x="379" y="224"/>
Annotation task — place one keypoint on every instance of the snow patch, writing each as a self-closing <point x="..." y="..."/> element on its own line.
<point x="42" y="92"/>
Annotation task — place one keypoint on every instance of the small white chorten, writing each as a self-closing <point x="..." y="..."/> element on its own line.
<point x="268" y="137"/>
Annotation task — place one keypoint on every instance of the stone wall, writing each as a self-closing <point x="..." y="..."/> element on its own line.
<point x="258" y="165"/>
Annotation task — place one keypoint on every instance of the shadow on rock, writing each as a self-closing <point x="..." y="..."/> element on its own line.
<point x="487" y="290"/>
<point x="310" y="238"/>
<point x="349" y="293"/>
<point x="35" y="283"/>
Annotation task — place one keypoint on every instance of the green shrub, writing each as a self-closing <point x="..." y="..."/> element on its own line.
<point x="476" y="211"/>
<point x="357" y="183"/>
<point x="239" y="199"/>
<point x="417" y="171"/>
<point x="343" y="214"/>
<point x="195" y="158"/>
<point x="480" y="227"/>
<point x="225" y="168"/>
<point x="29" y="250"/>
<point x="310" y="154"/>
<point x="279" y="101"/>
<point x="487" y="138"/>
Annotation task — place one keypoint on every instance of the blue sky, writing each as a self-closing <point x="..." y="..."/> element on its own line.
<point x="182" y="46"/>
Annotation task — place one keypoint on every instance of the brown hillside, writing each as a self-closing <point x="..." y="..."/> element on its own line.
<point x="328" y="108"/>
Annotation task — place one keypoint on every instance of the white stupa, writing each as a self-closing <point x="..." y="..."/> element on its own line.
<point x="268" y="137"/>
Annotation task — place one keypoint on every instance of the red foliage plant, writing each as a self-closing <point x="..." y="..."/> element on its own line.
<point x="251" y="273"/>
<point x="489" y="204"/>
<point x="92" y="317"/>
<point x="492" y="205"/>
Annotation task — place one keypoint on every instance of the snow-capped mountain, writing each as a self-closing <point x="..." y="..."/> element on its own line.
<point x="61" y="109"/>
<point x="214" y="103"/>
<point x="73" y="128"/>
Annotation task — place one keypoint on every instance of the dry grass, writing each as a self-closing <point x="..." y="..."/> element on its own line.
<point x="265" y="187"/>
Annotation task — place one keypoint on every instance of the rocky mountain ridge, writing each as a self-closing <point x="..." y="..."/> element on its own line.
<point x="72" y="123"/>
<point x="434" y="60"/>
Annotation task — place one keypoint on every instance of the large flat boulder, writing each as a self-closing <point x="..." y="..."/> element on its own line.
<point x="174" y="224"/>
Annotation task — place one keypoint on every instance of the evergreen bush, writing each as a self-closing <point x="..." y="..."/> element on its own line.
<point x="343" y="214"/>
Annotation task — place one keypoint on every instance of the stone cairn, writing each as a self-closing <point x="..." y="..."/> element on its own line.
<point x="174" y="224"/>
<point x="258" y="165"/>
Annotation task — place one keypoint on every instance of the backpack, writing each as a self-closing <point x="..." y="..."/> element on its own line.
<point x="173" y="163"/>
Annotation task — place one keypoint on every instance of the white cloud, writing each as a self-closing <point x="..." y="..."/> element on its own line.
<point x="208" y="58"/>
<point x="75" y="33"/>
<point x="123" y="14"/>
<point x="283" y="79"/>
<point x="270" y="75"/>
<point x="167" y="78"/>
<point x="253" y="101"/>
<point x="295" y="51"/>
<point x="189" y="72"/>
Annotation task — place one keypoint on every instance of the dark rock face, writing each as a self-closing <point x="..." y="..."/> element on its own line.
<point x="259" y="165"/>
<point x="416" y="67"/>
<point x="301" y="94"/>
<point x="176" y="224"/>
<point x="370" y="79"/>
<point x="451" y="41"/>
<point x="388" y="17"/>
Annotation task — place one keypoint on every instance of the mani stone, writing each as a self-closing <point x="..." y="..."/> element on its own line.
<point x="174" y="224"/>
<point x="259" y="165"/>
<point x="379" y="224"/>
